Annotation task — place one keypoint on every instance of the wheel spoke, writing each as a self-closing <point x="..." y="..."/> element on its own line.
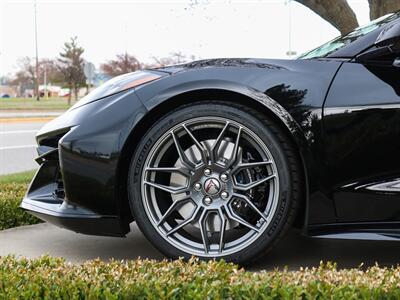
<point x="172" y="208"/>
<point x="186" y="222"/>
<point x="251" y="185"/>
<point x="222" y="230"/>
<point x="252" y="205"/>
<point x="185" y="161"/>
<point x="242" y="165"/>
<point x="217" y="143"/>
<point x="203" y="229"/>
<point x="168" y="189"/>
<point x="168" y="170"/>
<point x="232" y="215"/>
<point x="234" y="157"/>
<point x="203" y="150"/>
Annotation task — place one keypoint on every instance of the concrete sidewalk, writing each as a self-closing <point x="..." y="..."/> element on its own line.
<point x="36" y="240"/>
<point x="292" y="251"/>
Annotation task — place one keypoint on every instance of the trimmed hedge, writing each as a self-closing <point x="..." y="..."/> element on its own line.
<point x="12" y="190"/>
<point x="51" y="278"/>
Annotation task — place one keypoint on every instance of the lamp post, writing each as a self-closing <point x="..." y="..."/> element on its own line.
<point x="290" y="52"/>
<point x="37" y="58"/>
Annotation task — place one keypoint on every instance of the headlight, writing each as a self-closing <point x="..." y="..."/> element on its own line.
<point x="118" y="84"/>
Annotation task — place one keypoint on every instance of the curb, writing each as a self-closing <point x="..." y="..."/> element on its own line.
<point x="28" y="119"/>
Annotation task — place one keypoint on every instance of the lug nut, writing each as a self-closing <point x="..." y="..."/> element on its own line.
<point x="207" y="200"/>
<point x="224" y="177"/>
<point x="224" y="194"/>
<point x="197" y="186"/>
<point x="207" y="172"/>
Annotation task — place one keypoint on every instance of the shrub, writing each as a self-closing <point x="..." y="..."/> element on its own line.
<point x="12" y="190"/>
<point x="51" y="278"/>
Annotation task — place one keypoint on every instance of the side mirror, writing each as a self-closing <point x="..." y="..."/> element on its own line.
<point x="389" y="35"/>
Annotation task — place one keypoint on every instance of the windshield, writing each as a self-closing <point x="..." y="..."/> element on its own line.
<point x="344" y="40"/>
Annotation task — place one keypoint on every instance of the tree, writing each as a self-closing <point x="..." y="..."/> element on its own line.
<point x="341" y="16"/>
<point x="50" y="72"/>
<point x="380" y="8"/>
<point x="124" y="63"/>
<point x="174" y="59"/>
<point x="71" y="65"/>
<point x="5" y="80"/>
<point x="25" y="77"/>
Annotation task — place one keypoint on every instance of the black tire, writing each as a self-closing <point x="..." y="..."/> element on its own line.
<point x="271" y="134"/>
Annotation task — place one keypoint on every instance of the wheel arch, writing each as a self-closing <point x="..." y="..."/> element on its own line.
<point x="253" y="99"/>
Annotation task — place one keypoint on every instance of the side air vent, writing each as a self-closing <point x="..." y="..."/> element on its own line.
<point x="51" y="141"/>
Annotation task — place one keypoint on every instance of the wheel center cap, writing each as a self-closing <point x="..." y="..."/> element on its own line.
<point x="212" y="186"/>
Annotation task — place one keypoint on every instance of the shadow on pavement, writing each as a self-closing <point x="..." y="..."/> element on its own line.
<point x="296" y="251"/>
<point x="293" y="251"/>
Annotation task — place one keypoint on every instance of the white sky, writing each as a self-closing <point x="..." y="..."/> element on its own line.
<point x="158" y="28"/>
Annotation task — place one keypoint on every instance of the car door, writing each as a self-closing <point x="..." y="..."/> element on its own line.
<point x="361" y="123"/>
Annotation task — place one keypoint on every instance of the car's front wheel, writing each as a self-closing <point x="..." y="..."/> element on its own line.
<point x="214" y="180"/>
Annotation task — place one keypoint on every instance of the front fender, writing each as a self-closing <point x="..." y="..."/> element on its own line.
<point x="169" y="94"/>
<point x="257" y="98"/>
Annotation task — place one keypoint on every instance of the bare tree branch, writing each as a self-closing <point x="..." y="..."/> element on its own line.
<point x="124" y="63"/>
<point x="174" y="59"/>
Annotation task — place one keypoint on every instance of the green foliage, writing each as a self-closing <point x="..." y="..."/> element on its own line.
<point x="23" y="177"/>
<point x="71" y="65"/>
<point x="53" y="278"/>
<point x="31" y="104"/>
<point x="12" y="190"/>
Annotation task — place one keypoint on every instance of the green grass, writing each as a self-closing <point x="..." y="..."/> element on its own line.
<point x="32" y="104"/>
<point x="19" y="178"/>
<point x="51" y="278"/>
<point x="12" y="190"/>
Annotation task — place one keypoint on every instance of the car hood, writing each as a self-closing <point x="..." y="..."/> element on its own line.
<point x="274" y="64"/>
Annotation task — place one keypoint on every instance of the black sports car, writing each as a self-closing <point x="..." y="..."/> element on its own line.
<point x="219" y="158"/>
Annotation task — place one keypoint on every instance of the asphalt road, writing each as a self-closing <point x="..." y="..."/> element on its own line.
<point x="292" y="251"/>
<point x="18" y="146"/>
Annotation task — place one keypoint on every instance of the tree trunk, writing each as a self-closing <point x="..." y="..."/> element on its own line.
<point x="336" y="12"/>
<point x="76" y="90"/>
<point x="379" y="8"/>
<point x="70" y="94"/>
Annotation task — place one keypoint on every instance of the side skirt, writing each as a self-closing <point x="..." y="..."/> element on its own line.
<point x="383" y="231"/>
